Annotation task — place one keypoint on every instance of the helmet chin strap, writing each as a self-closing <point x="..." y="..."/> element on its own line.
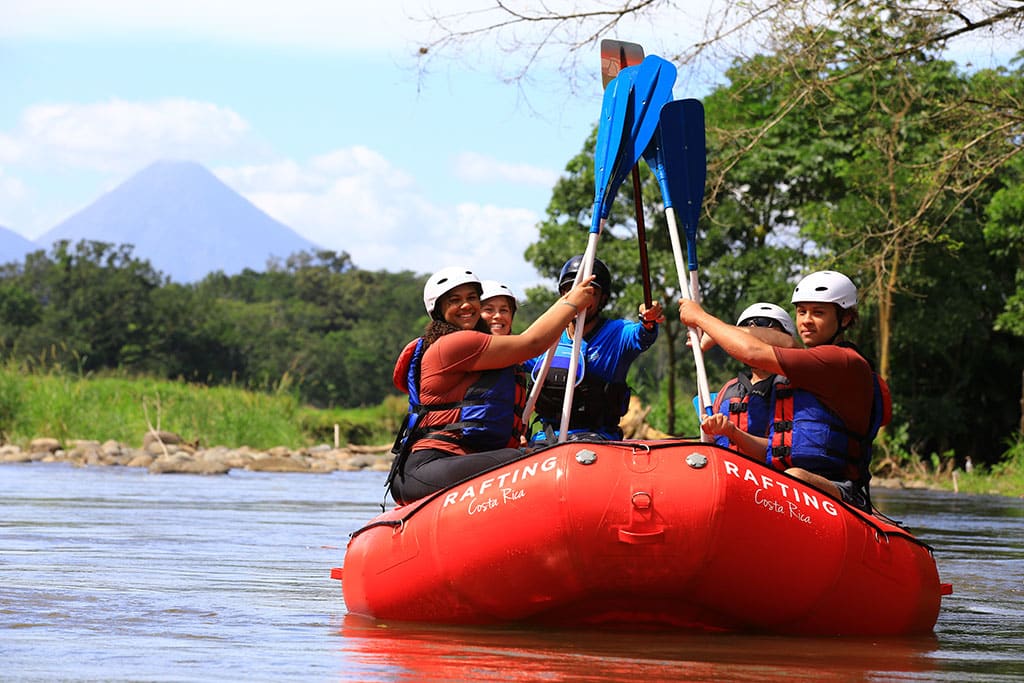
<point x="840" y="328"/>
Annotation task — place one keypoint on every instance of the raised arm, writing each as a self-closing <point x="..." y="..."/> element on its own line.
<point x="538" y="337"/>
<point x="768" y="335"/>
<point x="744" y="347"/>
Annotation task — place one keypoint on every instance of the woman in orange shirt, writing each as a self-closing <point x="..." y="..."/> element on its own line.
<point x="465" y="406"/>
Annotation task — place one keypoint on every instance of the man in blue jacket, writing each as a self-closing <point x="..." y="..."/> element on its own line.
<point x="601" y="395"/>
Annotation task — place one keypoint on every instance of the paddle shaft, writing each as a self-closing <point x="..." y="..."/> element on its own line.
<point x="641" y="236"/>
<point x="641" y="230"/>
<point x="679" y="161"/>
<point x="538" y="384"/>
<point x="586" y="269"/>
<point x="703" y="392"/>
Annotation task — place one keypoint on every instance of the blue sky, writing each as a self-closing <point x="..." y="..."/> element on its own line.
<point x="312" y="109"/>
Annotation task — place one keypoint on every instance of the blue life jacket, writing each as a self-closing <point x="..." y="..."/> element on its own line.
<point x="804" y="433"/>
<point x="490" y="415"/>
<point x="601" y="394"/>
<point x="746" y="404"/>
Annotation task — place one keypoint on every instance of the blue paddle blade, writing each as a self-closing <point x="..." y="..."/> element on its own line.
<point x="654" y="155"/>
<point x="695" y="161"/>
<point x="682" y="153"/>
<point x="652" y="88"/>
<point x="610" y="130"/>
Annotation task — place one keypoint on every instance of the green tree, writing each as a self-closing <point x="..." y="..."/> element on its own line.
<point x="95" y="307"/>
<point x="1004" y="233"/>
<point x="878" y="165"/>
<point x="313" y="323"/>
<point x="18" y="310"/>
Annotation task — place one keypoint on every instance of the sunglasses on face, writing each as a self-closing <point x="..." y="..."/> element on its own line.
<point x="761" y="321"/>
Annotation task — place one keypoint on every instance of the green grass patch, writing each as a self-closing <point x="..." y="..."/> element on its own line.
<point x="1005" y="478"/>
<point x="68" y="407"/>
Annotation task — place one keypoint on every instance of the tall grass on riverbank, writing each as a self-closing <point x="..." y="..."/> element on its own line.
<point x="70" y="406"/>
<point x="894" y="459"/>
<point x="67" y="407"/>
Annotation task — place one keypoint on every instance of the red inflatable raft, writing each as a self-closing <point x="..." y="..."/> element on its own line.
<point x="667" y="534"/>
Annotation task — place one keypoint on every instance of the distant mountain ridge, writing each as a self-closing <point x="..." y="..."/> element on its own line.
<point x="185" y="221"/>
<point x="14" y="247"/>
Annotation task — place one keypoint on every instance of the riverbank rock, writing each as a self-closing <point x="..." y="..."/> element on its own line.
<point x="43" y="445"/>
<point x="11" y="453"/>
<point x="163" y="452"/>
<point x="186" y="463"/>
<point x="167" y="453"/>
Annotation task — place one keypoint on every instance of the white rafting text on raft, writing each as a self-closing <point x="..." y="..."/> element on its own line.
<point x="507" y="493"/>
<point x="790" y="493"/>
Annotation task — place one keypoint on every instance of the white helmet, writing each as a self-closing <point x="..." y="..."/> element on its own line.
<point x="495" y="288"/>
<point x="770" y="311"/>
<point x="445" y="280"/>
<point x="827" y="287"/>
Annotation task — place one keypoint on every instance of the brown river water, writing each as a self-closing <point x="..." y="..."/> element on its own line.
<point x="113" y="574"/>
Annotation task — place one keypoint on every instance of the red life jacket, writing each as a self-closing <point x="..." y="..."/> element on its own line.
<point x="746" y="404"/>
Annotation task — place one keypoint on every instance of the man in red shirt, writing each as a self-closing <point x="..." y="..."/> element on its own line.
<point x="825" y="411"/>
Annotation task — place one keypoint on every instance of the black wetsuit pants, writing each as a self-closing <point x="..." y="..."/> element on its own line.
<point x="430" y="470"/>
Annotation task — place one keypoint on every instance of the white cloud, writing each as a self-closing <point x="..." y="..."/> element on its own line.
<point x="117" y="135"/>
<point x="352" y="199"/>
<point x="355" y="200"/>
<point x="360" y="157"/>
<point x="98" y="144"/>
<point x="11" y="187"/>
<point x="478" y="168"/>
<point x="494" y="239"/>
<point x="10" y="149"/>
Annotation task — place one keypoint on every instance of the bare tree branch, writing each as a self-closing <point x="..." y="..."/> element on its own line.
<point x="532" y="32"/>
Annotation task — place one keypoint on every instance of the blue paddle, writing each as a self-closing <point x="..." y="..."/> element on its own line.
<point x="652" y="88"/>
<point x="679" y="160"/>
<point x="631" y="124"/>
<point x="678" y="157"/>
<point x="616" y="55"/>
<point x="695" y="170"/>
<point x="607" y="150"/>
<point x="652" y="82"/>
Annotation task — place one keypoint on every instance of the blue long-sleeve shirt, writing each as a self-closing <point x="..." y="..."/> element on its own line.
<point x="608" y="351"/>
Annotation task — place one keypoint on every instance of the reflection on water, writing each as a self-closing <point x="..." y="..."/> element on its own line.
<point x="114" y="574"/>
<point x="418" y="653"/>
